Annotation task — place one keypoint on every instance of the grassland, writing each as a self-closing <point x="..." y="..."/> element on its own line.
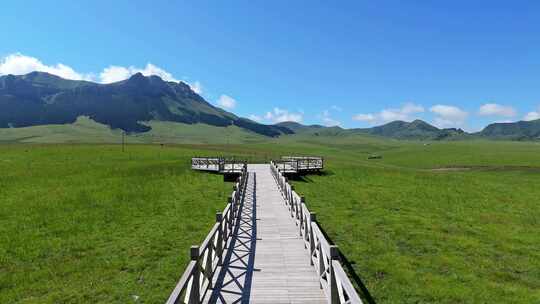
<point x="422" y="236"/>
<point x="85" y="130"/>
<point x="88" y="223"/>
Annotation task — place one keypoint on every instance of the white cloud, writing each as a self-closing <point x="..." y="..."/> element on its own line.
<point x="534" y="115"/>
<point x="328" y="121"/>
<point x="19" y="64"/>
<point x="226" y="102"/>
<point x="493" y="109"/>
<point x="196" y="87"/>
<point x="405" y="113"/>
<point x="256" y="118"/>
<point x="336" y="108"/>
<point x="281" y="115"/>
<point x="448" y="116"/>
<point x="115" y="73"/>
<point x="411" y="108"/>
<point x="370" y="118"/>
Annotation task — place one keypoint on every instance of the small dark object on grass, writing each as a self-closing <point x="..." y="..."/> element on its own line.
<point x="374" y="156"/>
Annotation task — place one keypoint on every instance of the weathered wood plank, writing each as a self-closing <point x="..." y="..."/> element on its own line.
<point x="267" y="261"/>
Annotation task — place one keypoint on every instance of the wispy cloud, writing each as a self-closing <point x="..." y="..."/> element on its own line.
<point x="19" y="64"/>
<point x="256" y="118"/>
<point x="280" y="115"/>
<point x="407" y="112"/>
<point x="196" y="87"/>
<point x="336" y="108"/>
<point x="493" y="109"/>
<point x="327" y="119"/>
<point x="226" y="102"/>
<point x="448" y="116"/>
<point x="533" y="115"/>
<point x="115" y="73"/>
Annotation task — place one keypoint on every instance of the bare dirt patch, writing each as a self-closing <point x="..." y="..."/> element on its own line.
<point x="486" y="168"/>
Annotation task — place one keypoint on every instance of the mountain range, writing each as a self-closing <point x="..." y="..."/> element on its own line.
<point x="40" y="98"/>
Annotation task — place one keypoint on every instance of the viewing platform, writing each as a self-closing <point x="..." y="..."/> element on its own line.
<point x="265" y="247"/>
<point x="218" y="164"/>
<point x="299" y="164"/>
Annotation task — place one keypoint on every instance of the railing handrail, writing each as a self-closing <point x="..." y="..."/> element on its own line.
<point x="300" y="163"/>
<point x="324" y="256"/>
<point x="197" y="278"/>
<point x="218" y="164"/>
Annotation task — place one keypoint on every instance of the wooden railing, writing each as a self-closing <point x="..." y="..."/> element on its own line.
<point x="206" y="162"/>
<point x="197" y="278"/>
<point x="221" y="164"/>
<point x="324" y="257"/>
<point x="299" y="164"/>
<point x="305" y="162"/>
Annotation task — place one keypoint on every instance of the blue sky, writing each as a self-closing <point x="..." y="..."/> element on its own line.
<point x="360" y="63"/>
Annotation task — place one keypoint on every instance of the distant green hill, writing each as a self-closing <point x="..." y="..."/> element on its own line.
<point x="42" y="99"/>
<point x="521" y="130"/>
<point x="417" y="129"/>
<point x="140" y="104"/>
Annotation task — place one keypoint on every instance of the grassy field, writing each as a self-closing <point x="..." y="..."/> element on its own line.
<point x="88" y="223"/>
<point x="88" y="131"/>
<point x="423" y="236"/>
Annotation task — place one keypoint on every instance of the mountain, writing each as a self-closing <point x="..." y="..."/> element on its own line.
<point x="521" y="130"/>
<point x="40" y="98"/>
<point x="417" y="129"/>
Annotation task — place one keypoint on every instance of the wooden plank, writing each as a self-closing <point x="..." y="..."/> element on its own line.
<point x="267" y="261"/>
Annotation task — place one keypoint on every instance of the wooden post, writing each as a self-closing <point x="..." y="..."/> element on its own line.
<point x="301" y="216"/>
<point x="312" y="219"/>
<point x="195" y="293"/>
<point x="291" y="197"/>
<point x="334" y="294"/>
<point x="219" y="246"/>
<point x="231" y="215"/>
<point x="208" y="265"/>
<point x="233" y="211"/>
<point x="320" y="255"/>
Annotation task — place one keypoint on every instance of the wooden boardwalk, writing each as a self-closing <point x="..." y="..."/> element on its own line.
<point x="265" y="247"/>
<point x="266" y="261"/>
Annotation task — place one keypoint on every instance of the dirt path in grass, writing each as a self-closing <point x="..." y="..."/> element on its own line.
<point x="486" y="168"/>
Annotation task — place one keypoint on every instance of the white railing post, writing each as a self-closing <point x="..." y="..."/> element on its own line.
<point x="301" y="213"/>
<point x="334" y="293"/>
<point x="312" y="220"/>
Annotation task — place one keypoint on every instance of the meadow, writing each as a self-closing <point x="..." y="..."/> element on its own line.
<point x="444" y="222"/>
<point x="90" y="224"/>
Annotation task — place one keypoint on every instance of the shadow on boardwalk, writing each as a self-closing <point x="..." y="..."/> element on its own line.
<point x="233" y="283"/>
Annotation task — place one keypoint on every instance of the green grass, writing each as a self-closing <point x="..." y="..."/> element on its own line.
<point x="418" y="236"/>
<point x="88" y="223"/>
<point x="86" y="130"/>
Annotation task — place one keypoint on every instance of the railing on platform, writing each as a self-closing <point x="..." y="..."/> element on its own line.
<point x="218" y="164"/>
<point x="299" y="164"/>
<point x="324" y="257"/>
<point x="197" y="278"/>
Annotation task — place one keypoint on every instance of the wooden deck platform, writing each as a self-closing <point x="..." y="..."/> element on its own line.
<point x="217" y="164"/>
<point x="299" y="164"/>
<point x="265" y="247"/>
<point x="267" y="261"/>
